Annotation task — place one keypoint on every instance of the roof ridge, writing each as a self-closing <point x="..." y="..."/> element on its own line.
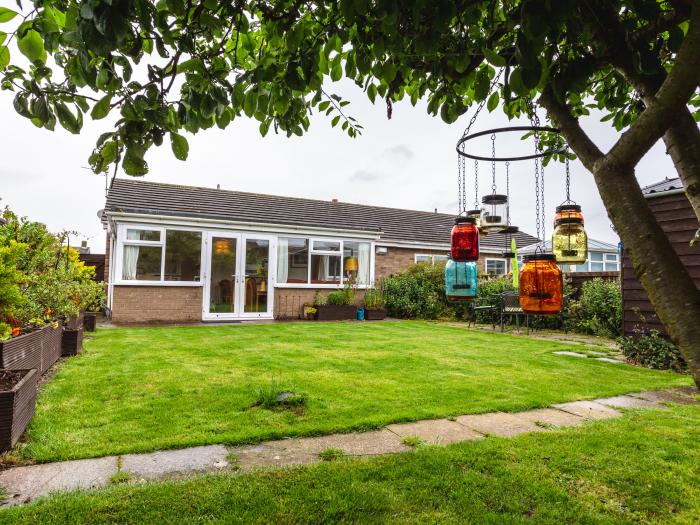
<point x="284" y="197"/>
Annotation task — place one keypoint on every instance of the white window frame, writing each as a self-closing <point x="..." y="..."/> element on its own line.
<point x="611" y="258"/>
<point x="498" y="259"/>
<point x="431" y="256"/>
<point x="311" y="240"/>
<point x="123" y="241"/>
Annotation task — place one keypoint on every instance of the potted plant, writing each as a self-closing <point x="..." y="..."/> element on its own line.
<point x="375" y="305"/>
<point x="337" y="306"/>
<point x="17" y="402"/>
<point x="309" y="312"/>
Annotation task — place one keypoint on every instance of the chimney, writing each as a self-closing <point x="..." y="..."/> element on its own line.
<point x="435" y="210"/>
<point x="334" y="200"/>
<point x="218" y="186"/>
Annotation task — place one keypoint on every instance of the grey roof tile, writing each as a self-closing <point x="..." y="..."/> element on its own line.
<point x="663" y="186"/>
<point x="393" y="225"/>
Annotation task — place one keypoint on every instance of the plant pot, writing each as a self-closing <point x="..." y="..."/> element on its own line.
<point x="38" y="349"/>
<point x="16" y="407"/>
<point x="71" y="342"/>
<point x="73" y="323"/>
<point x="375" y="314"/>
<point x="90" y="321"/>
<point x="336" y="312"/>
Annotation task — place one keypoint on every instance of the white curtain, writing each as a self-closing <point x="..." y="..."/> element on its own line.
<point x="131" y="257"/>
<point x="325" y="270"/>
<point x="363" y="263"/>
<point x="282" y="260"/>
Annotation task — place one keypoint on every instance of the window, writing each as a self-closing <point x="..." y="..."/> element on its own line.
<point x="600" y="262"/>
<point x="496" y="266"/>
<point x="157" y="255"/>
<point x="183" y="255"/>
<point x="612" y="262"/>
<point x="595" y="261"/>
<point x="429" y="259"/>
<point x="323" y="262"/>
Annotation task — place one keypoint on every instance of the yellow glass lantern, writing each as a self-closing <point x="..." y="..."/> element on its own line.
<point x="569" y="241"/>
<point x="351" y="264"/>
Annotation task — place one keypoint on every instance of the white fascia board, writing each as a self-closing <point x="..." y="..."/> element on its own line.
<point x="215" y="224"/>
<point x="413" y="245"/>
<point x="664" y="193"/>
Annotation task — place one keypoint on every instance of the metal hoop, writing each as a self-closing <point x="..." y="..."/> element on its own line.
<point x="496" y="131"/>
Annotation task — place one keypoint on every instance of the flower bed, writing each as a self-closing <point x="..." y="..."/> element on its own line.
<point x="38" y="349"/>
<point x="335" y="312"/>
<point x="17" y="403"/>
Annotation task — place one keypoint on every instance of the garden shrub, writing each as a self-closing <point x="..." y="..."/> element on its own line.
<point x="374" y="299"/>
<point x="650" y="349"/>
<point x="337" y="297"/>
<point x="416" y="293"/>
<point x="598" y="311"/>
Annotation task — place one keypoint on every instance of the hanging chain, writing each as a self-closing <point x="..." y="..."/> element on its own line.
<point x="539" y="174"/>
<point x="463" y="197"/>
<point x="537" y="193"/>
<point x="482" y="103"/>
<point x="544" y="224"/>
<point x="493" y="164"/>
<point x="459" y="184"/>
<point x="476" y="184"/>
<point x="568" y="179"/>
<point x="508" y="191"/>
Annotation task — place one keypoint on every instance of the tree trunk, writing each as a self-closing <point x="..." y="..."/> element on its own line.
<point x="667" y="282"/>
<point x="683" y="144"/>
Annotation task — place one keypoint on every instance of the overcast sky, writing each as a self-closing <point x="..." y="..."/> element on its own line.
<point x="406" y="162"/>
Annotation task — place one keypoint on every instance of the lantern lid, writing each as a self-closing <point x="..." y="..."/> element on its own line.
<point x="568" y="220"/>
<point x="471" y="213"/>
<point x="494" y="199"/>
<point x="540" y="257"/>
<point x="463" y="220"/>
<point x="568" y="207"/>
<point x="510" y="229"/>
<point x="508" y="255"/>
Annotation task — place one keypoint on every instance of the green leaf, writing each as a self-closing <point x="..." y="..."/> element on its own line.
<point x="180" y="146"/>
<point x="335" y="120"/>
<point x="101" y="109"/>
<point x="494" y="58"/>
<point x="336" y="71"/>
<point x="323" y="105"/>
<point x="69" y="121"/>
<point x="109" y="152"/>
<point x="4" y="57"/>
<point x="481" y="85"/>
<point x="32" y="46"/>
<point x="516" y="83"/>
<point x="265" y="126"/>
<point x="6" y="14"/>
<point x="372" y="92"/>
<point x="492" y="102"/>
<point x="250" y="104"/>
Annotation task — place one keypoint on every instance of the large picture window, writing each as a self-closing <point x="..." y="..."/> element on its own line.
<point x="496" y="266"/>
<point x="157" y="255"/>
<point x="323" y="262"/>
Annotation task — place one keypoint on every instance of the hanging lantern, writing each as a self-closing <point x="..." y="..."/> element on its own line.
<point x="569" y="241"/>
<point x="460" y="280"/>
<point x="494" y="217"/>
<point x="351" y="264"/>
<point x="568" y="211"/>
<point x="541" y="285"/>
<point x="508" y="235"/>
<point x="465" y="240"/>
<point x="476" y="215"/>
<point x="221" y="246"/>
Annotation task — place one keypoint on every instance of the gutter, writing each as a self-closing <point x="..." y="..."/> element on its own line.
<point x="664" y="193"/>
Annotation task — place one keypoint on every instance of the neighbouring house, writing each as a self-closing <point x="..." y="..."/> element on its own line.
<point x="675" y="215"/>
<point x="186" y="254"/>
<point x="602" y="257"/>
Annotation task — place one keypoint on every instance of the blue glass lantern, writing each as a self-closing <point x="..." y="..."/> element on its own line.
<point x="460" y="280"/>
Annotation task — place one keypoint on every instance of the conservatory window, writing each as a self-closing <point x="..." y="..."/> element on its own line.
<point x="496" y="266"/>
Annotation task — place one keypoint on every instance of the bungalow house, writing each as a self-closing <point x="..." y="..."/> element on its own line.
<point x="185" y="254"/>
<point x="602" y="257"/>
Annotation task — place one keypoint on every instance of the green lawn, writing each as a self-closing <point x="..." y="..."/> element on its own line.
<point x="138" y="390"/>
<point x="643" y="468"/>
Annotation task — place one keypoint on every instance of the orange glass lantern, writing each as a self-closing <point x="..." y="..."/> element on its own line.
<point x="568" y="211"/>
<point x="541" y="285"/>
<point x="465" y="240"/>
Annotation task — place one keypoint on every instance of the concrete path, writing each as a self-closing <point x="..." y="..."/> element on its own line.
<point x="23" y="484"/>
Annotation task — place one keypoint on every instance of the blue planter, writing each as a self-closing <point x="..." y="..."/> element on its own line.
<point x="360" y="314"/>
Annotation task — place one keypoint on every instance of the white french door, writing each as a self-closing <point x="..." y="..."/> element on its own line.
<point x="238" y="280"/>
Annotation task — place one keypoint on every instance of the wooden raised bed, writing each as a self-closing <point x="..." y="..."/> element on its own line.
<point x="17" y="402"/>
<point x="336" y="312"/>
<point x="38" y="349"/>
<point x="375" y="314"/>
<point x="72" y="341"/>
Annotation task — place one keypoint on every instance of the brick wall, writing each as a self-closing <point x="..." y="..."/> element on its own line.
<point x="107" y="254"/>
<point x="154" y="304"/>
<point x="397" y="259"/>
<point x="289" y="302"/>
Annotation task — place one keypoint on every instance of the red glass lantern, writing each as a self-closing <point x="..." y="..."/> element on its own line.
<point x="465" y="240"/>
<point x="541" y="285"/>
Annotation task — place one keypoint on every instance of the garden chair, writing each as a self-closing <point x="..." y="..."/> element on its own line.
<point x="487" y="305"/>
<point x="509" y="307"/>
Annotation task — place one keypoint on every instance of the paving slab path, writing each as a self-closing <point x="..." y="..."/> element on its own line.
<point x="24" y="484"/>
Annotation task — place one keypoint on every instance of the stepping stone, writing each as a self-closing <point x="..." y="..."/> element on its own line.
<point x="609" y="360"/>
<point x="689" y="391"/>
<point x="553" y="417"/>
<point x="588" y="410"/>
<point x="628" y="402"/>
<point x="666" y="396"/>
<point x="500" y="424"/>
<point x="436" y="431"/>
<point x="286" y="452"/>
<point x="24" y="484"/>
<point x="360" y="444"/>
<point x="572" y="354"/>
<point x="168" y="462"/>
